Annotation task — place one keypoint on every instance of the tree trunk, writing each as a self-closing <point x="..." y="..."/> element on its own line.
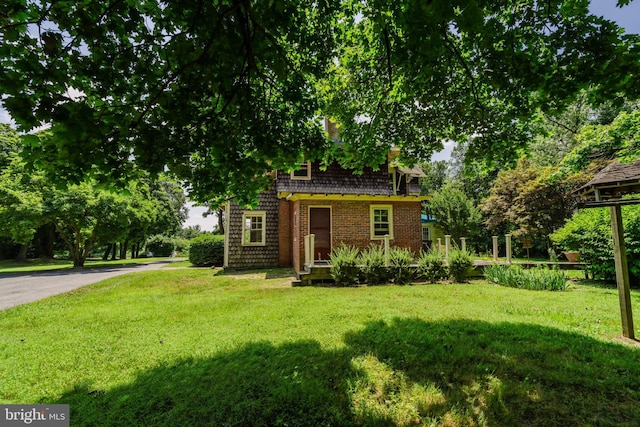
<point x="221" y="220"/>
<point x="22" y="253"/>
<point x="77" y="255"/>
<point x="78" y="260"/>
<point x="114" y="254"/>
<point x="124" y="247"/>
<point x="44" y="240"/>
<point x="107" y="252"/>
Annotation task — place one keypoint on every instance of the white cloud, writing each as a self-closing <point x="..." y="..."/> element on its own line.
<point x="5" y="117"/>
<point x="445" y="153"/>
<point x="196" y="218"/>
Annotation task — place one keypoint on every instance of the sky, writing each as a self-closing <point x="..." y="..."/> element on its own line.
<point x="627" y="17"/>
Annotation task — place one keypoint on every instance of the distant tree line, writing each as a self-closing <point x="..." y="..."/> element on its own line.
<point x="45" y="216"/>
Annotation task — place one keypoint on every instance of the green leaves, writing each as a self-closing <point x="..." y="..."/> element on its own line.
<point x="221" y="93"/>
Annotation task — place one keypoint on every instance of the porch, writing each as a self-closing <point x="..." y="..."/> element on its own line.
<point x="319" y="272"/>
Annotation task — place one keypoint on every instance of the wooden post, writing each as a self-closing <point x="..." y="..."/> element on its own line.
<point x="508" y="243"/>
<point x="447" y="244"/>
<point x="495" y="248"/>
<point x="622" y="272"/>
<point x="306" y="250"/>
<point x="386" y="251"/>
<point x="463" y="243"/>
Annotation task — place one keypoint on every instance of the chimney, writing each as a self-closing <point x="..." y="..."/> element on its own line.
<point x="331" y="128"/>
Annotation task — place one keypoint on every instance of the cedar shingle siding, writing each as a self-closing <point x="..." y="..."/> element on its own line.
<point x="254" y="256"/>
<point x="336" y="180"/>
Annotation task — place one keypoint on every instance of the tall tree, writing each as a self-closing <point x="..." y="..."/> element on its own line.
<point x="416" y="73"/>
<point x="86" y="217"/>
<point x="437" y="174"/>
<point x="20" y="194"/>
<point x="531" y="201"/>
<point x="212" y="90"/>
<point x="20" y="204"/>
<point x="456" y="213"/>
<point x="223" y="92"/>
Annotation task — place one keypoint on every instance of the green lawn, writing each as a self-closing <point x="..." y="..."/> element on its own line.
<point x="180" y="347"/>
<point x="10" y="266"/>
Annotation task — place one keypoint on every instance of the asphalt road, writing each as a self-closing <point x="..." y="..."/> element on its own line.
<point x="16" y="289"/>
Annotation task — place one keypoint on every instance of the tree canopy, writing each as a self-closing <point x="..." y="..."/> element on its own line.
<point x="220" y="93"/>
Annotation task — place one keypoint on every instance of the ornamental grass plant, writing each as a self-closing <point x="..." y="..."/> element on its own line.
<point x="344" y="265"/>
<point x="400" y="261"/>
<point x="538" y="278"/>
<point x="372" y="265"/>
<point x="460" y="261"/>
<point x="432" y="266"/>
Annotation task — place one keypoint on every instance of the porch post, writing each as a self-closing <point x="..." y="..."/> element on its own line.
<point x="495" y="248"/>
<point x="312" y="249"/>
<point x="386" y="251"/>
<point x="622" y="272"/>
<point x="306" y="250"/>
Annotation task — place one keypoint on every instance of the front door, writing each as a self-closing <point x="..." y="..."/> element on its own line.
<point x="320" y="225"/>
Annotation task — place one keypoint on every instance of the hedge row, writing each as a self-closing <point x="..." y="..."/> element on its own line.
<point x="207" y="250"/>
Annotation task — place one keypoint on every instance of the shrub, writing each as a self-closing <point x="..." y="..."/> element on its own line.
<point x="207" y="250"/>
<point x="400" y="260"/>
<point x="432" y="266"/>
<point x="460" y="261"/>
<point x="539" y="278"/>
<point x="589" y="232"/>
<point x="372" y="264"/>
<point x="344" y="265"/>
<point x="182" y="245"/>
<point x="161" y="245"/>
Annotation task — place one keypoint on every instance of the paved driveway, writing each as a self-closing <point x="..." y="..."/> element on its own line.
<point x="16" y="289"/>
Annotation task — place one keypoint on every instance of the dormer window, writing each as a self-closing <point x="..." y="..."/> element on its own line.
<point x="302" y="172"/>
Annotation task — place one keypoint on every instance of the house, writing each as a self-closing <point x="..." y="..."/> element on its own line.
<point x="335" y="205"/>
<point x="431" y="231"/>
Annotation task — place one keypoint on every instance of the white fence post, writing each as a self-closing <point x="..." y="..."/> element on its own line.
<point x="463" y="243"/>
<point x="447" y="244"/>
<point x="386" y="251"/>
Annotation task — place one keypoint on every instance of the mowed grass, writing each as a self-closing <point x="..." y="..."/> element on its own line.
<point x="200" y="347"/>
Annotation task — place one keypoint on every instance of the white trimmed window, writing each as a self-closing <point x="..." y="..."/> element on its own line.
<point x="254" y="228"/>
<point x="426" y="232"/>
<point x="381" y="221"/>
<point x="303" y="171"/>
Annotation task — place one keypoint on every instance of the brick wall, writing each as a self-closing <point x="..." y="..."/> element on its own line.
<point x="350" y="222"/>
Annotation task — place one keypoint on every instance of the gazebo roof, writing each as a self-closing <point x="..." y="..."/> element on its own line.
<point x="611" y="184"/>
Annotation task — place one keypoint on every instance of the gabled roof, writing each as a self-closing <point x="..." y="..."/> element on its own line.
<point x="612" y="183"/>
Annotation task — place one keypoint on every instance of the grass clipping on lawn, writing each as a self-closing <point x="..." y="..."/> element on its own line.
<point x="202" y="347"/>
